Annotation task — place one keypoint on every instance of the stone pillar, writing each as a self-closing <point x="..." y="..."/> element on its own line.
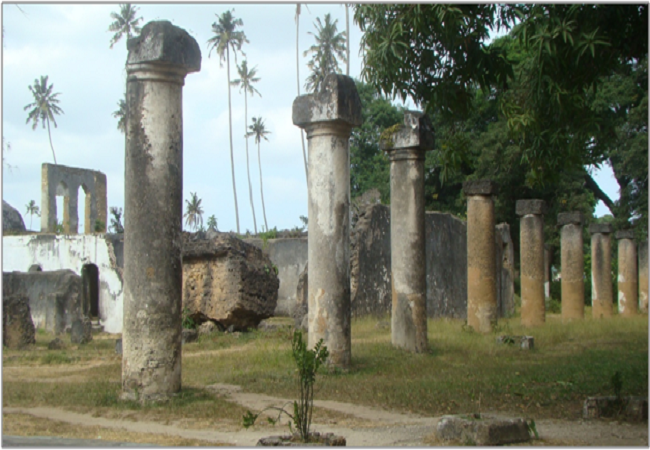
<point x="628" y="284"/>
<point x="406" y="147"/>
<point x="602" y="301"/>
<point x="481" y="258"/>
<point x="572" y="265"/>
<point x="328" y="117"/>
<point x="158" y="61"/>
<point x="643" y="277"/>
<point x="533" y="307"/>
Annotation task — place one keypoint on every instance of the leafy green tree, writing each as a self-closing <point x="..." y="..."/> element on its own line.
<point x="44" y="107"/>
<point x="193" y="212"/>
<point x="245" y="81"/>
<point x="329" y="48"/>
<point x="226" y="37"/>
<point x="31" y="210"/>
<point x="258" y="130"/>
<point x="212" y="223"/>
<point x="120" y="115"/>
<point x="369" y="166"/>
<point x="125" y="23"/>
<point x="116" y="221"/>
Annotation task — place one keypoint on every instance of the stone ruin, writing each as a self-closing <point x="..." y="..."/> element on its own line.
<point x="228" y="281"/>
<point x="55" y="298"/>
<point x="58" y="180"/>
<point x="446" y="265"/>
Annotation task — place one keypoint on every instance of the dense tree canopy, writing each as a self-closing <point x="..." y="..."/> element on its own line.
<point x="565" y="90"/>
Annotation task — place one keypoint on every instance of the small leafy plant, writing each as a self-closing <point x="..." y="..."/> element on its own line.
<point x="188" y="322"/>
<point x="308" y="362"/>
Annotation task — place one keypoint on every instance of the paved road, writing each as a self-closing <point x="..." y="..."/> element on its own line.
<point x="49" y="441"/>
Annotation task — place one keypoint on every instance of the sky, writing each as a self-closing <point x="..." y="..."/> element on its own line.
<point x="70" y="44"/>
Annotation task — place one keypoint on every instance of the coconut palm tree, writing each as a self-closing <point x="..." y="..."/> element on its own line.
<point x="31" y="210"/>
<point x="212" y="223"/>
<point x="44" y="107"/>
<point x="302" y="133"/>
<point x="245" y="80"/>
<point x="125" y="23"/>
<point x="329" y="48"/>
<point x="194" y="213"/>
<point x="226" y="37"/>
<point x="257" y="129"/>
<point x="120" y="115"/>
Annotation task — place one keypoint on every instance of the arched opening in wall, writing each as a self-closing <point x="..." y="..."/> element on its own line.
<point x="88" y="228"/>
<point x="35" y="268"/>
<point x="90" y="286"/>
<point x="81" y="216"/>
<point x="61" y="206"/>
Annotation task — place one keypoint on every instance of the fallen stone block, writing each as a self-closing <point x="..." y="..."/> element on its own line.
<point x="524" y="342"/>
<point x="483" y="430"/>
<point x="189" y="335"/>
<point x="228" y="281"/>
<point x="631" y="409"/>
<point x="56" y="344"/>
<point x="17" y="327"/>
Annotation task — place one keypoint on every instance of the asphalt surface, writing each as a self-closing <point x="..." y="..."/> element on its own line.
<point x="49" y="441"/>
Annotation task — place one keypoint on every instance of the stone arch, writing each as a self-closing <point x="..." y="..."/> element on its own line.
<point x="90" y="290"/>
<point x="88" y="227"/>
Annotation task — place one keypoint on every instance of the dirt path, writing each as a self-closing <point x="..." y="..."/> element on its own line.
<point x="370" y="426"/>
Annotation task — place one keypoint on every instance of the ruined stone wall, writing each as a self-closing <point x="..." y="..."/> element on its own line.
<point x="290" y="257"/>
<point x="446" y="260"/>
<point x="55" y="298"/>
<point x="67" y="182"/>
<point x="60" y="252"/>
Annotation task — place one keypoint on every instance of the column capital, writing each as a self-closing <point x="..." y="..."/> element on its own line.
<point x="573" y="217"/>
<point x="602" y="228"/>
<point x="479" y="187"/>
<point x="625" y="234"/>
<point x="415" y="134"/>
<point x="337" y="102"/>
<point x="163" y="47"/>
<point x="532" y="206"/>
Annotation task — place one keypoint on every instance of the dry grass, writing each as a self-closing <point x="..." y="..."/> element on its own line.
<point x="26" y="425"/>
<point x="463" y="372"/>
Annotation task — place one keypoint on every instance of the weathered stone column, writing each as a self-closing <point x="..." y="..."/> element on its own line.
<point x="628" y="283"/>
<point x="158" y="61"/>
<point x="572" y="265"/>
<point x="481" y="258"/>
<point x="328" y="117"/>
<point x="602" y="301"/>
<point x="406" y="147"/>
<point x="533" y="307"/>
<point x="643" y="277"/>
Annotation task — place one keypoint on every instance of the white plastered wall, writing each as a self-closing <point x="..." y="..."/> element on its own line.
<point x="58" y="252"/>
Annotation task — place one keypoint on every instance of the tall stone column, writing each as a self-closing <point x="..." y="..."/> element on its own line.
<point x="406" y="147"/>
<point x="533" y="307"/>
<point x="158" y="61"/>
<point x="572" y="265"/>
<point x="602" y="301"/>
<point x="481" y="257"/>
<point x="643" y="277"/>
<point x="328" y="117"/>
<point x="628" y="283"/>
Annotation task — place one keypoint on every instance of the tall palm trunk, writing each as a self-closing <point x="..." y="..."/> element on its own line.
<point x="248" y="167"/>
<point x="50" y="136"/>
<point x="259" y="162"/>
<point x="302" y="134"/>
<point x="347" y="37"/>
<point x="232" y="159"/>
